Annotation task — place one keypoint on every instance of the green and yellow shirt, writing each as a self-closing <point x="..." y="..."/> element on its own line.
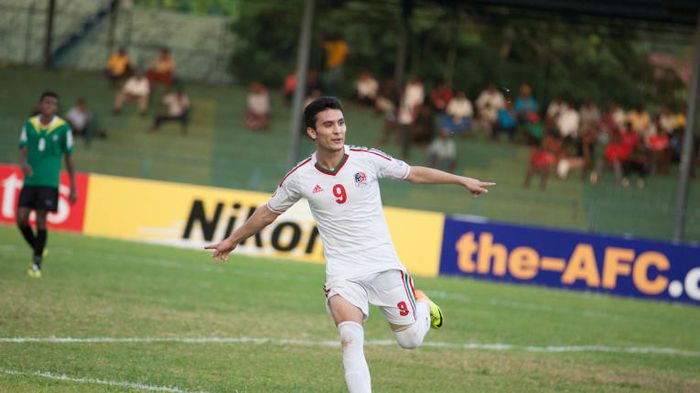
<point x="45" y="144"/>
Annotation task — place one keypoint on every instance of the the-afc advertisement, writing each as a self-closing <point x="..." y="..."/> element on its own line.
<point x="571" y="260"/>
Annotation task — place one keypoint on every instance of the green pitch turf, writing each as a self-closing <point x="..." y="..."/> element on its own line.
<point x="277" y="337"/>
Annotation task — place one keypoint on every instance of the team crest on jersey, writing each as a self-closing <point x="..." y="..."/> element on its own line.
<point x="360" y="179"/>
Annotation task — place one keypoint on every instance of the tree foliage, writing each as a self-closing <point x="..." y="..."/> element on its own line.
<point x="570" y="58"/>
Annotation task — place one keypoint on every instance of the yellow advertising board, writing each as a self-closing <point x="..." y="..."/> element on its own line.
<point x="193" y="216"/>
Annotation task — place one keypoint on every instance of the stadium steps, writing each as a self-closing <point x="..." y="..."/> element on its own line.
<point x="88" y="25"/>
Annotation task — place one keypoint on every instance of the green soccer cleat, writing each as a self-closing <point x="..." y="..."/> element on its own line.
<point x="436" y="318"/>
<point x="45" y="253"/>
<point x="34" y="271"/>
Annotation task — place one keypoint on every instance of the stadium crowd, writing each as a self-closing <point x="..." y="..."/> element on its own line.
<point x="566" y="135"/>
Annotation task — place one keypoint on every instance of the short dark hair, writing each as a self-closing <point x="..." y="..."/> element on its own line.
<point x="319" y="105"/>
<point x="48" y="94"/>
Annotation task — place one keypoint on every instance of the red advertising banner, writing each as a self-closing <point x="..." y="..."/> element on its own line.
<point x="68" y="217"/>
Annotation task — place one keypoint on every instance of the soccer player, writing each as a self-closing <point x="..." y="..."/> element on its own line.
<point x="340" y="183"/>
<point x="45" y="138"/>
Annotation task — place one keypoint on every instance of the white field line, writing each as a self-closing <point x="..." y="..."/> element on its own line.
<point x="94" y="381"/>
<point x="335" y="343"/>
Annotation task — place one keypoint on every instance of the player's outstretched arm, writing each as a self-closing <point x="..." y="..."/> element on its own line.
<point x="262" y="217"/>
<point x="424" y="175"/>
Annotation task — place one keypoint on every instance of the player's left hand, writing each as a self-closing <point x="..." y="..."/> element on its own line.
<point x="476" y="186"/>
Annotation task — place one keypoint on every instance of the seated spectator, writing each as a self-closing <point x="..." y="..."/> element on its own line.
<point x="617" y="115"/>
<point x="488" y="104"/>
<point x="578" y="155"/>
<point x="590" y="116"/>
<point x="136" y="89"/>
<point x="659" y="146"/>
<point x="440" y="97"/>
<point x="442" y="152"/>
<point x="553" y="111"/>
<point x="257" y="114"/>
<point x="526" y="106"/>
<point x="162" y="69"/>
<point x="568" y="122"/>
<point x="414" y="94"/>
<point x="506" y="122"/>
<point x="667" y="122"/>
<point x="83" y="122"/>
<point x="616" y="153"/>
<point x="177" y="108"/>
<point x="78" y="117"/>
<point x="458" y="116"/>
<point x="637" y="162"/>
<point x="639" y="119"/>
<point x="118" y="67"/>
<point x="543" y="159"/>
<point x="366" y="89"/>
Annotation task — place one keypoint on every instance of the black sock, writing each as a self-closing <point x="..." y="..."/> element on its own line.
<point x="28" y="235"/>
<point x="40" y="244"/>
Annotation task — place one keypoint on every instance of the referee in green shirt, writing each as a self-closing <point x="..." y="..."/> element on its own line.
<point x="44" y="140"/>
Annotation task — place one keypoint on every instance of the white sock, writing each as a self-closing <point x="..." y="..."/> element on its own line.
<point x="412" y="337"/>
<point x="352" y="338"/>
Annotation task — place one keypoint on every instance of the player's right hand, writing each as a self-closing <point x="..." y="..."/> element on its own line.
<point x="221" y="250"/>
<point x="26" y="170"/>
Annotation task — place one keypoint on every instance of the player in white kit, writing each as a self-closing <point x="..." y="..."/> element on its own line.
<point x="341" y="185"/>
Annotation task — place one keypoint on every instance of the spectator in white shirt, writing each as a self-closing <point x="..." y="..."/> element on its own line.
<point x="177" y="108"/>
<point x="488" y="104"/>
<point x="442" y="152"/>
<point x="137" y="89"/>
<point x="569" y="121"/>
<point x="458" y="115"/>
<point x="257" y="114"/>
<point x="414" y="94"/>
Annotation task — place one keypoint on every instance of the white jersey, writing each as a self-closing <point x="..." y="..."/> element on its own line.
<point x="347" y="206"/>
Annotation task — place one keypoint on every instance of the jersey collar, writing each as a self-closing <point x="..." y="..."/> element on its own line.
<point x="39" y="126"/>
<point x="333" y="171"/>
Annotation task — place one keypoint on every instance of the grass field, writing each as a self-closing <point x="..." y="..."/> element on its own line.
<point x="154" y="318"/>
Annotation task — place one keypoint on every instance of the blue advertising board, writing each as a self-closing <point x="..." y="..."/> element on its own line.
<point x="570" y="260"/>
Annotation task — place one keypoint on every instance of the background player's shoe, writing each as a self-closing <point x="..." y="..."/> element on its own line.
<point x="34" y="271"/>
<point x="436" y="318"/>
<point x="45" y="253"/>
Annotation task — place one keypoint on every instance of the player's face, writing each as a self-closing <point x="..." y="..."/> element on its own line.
<point x="330" y="130"/>
<point x="48" y="106"/>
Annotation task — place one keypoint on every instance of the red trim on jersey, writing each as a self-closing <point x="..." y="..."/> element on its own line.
<point x="408" y="296"/>
<point x="335" y="170"/>
<point x="271" y="209"/>
<point x="294" y="169"/>
<point x="372" y="152"/>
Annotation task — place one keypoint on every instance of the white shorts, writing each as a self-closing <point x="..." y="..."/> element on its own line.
<point x="391" y="290"/>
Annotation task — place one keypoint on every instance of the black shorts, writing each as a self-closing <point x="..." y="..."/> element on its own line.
<point x="39" y="198"/>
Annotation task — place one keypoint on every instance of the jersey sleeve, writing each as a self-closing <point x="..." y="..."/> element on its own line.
<point x="284" y="197"/>
<point x="68" y="141"/>
<point x="388" y="166"/>
<point x="23" y="137"/>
